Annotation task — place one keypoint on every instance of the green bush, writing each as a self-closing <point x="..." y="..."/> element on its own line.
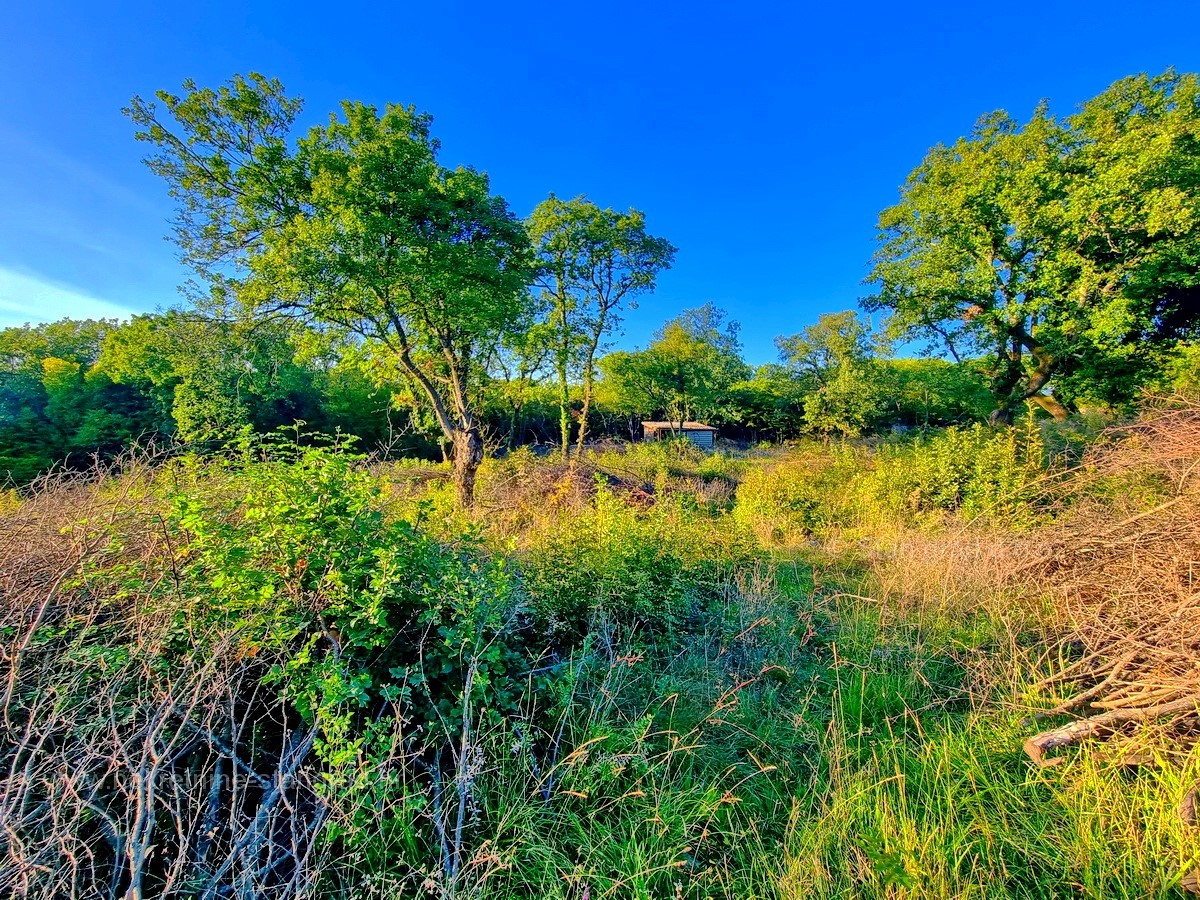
<point x="978" y="471"/>
<point x="649" y="568"/>
<point x="293" y="554"/>
<point x="798" y="497"/>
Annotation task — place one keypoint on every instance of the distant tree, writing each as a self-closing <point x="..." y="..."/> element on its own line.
<point x="518" y="366"/>
<point x="56" y="407"/>
<point x="355" y="226"/>
<point x="210" y="377"/>
<point x="835" y="340"/>
<point x="935" y="392"/>
<point x="768" y="404"/>
<point x="593" y="263"/>
<point x="1061" y="252"/>
<point x="687" y="371"/>
<point x="835" y="360"/>
<point x="849" y="402"/>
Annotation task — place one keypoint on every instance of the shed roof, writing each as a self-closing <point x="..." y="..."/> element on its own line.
<point x="687" y="426"/>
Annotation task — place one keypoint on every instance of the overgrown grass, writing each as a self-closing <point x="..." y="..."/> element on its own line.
<point x="651" y="674"/>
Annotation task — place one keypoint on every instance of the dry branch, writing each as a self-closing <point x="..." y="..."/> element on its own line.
<point x="1126" y="582"/>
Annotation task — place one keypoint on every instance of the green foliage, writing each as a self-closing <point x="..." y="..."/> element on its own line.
<point x="978" y="471"/>
<point x="209" y="377"/>
<point x="934" y="392"/>
<point x="1183" y="371"/>
<point x="788" y="501"/>
<point x="650" y="569"/>
<point x="75" y="390"/>
<point x="770" y="404"/>
<point x="293" y="554"/>
<point x="833" y="341"/>
<point x="687" y="372"/>
<point x="1064" y="251"/>
<point x="56" y="404"/>
<point x="847" y="403"/>
<point x="835" y="362"/>
<point x="592" y="262"/>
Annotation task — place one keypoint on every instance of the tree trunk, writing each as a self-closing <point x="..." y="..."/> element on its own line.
<point x="562" y="362"/>
<point x="1052" y="406"/>
<point x="468" y="455"/>
<point x="564" y="408"/>
<point x="588" y="377"/>
<point x="1007" y="385"/>
<point x="1002" y="414"/>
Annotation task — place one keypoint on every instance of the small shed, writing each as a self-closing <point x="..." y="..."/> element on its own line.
<point x="703" y="436"/>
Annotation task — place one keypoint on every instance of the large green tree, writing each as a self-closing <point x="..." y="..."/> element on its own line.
<point x="355" y="226"/>
<point x="593" y="263"/>
<point x="818" y="350"/>
<point x="1057" y="250"/>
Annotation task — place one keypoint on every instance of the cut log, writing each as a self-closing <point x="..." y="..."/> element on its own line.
<point x="1188" y="808"/>
<point x="1037" y="746"/>
<point x="1191" y="882"/>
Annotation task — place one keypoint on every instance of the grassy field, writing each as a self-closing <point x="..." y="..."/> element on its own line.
<point x="780" y="673"/>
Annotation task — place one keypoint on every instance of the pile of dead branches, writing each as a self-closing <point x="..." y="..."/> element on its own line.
<point x="1124" y="570"/>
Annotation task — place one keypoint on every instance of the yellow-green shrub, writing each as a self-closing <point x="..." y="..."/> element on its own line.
<point x="978" y="471"/>
<point x="798" y="497"/>
<point x="641" y="567"/>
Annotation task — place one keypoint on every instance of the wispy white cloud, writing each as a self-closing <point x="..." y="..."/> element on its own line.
<point x="26" y="297"/>
<point x="25" y="152"/>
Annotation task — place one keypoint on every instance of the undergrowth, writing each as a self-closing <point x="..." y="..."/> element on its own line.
<point x="648" y="674"/>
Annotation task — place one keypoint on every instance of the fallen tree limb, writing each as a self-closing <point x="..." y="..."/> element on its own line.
<point x="1039" y="745"/>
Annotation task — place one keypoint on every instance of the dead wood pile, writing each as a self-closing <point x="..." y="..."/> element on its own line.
<point x="1124" y="571"/>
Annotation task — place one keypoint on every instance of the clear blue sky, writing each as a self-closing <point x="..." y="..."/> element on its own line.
<point x="762" y="139"/>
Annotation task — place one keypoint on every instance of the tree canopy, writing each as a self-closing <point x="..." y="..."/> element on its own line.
<point x="1063" y="251"/>
<point x="686" y="372"/>
<point x="355" y="226"/>
<point x="593" y="262"/>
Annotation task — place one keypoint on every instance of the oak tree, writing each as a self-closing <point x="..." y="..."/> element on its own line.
<point x="1057" y="250"/>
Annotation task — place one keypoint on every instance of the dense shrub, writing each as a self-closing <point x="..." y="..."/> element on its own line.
<point x="800" y="495"/>
<point x="650" y="568"/>
<point x="252" y="676"/>
<point x="294" y="553"/>
<point x="978" y="471"/>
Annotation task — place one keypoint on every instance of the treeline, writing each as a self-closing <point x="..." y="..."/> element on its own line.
<point x="75" y="390"/>
<point x="353" y="282"/>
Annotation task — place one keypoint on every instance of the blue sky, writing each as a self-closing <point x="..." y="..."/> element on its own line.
<point x="761" y="139"/>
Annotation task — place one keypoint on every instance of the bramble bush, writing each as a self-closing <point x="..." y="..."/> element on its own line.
<point x="293" y="553"/>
